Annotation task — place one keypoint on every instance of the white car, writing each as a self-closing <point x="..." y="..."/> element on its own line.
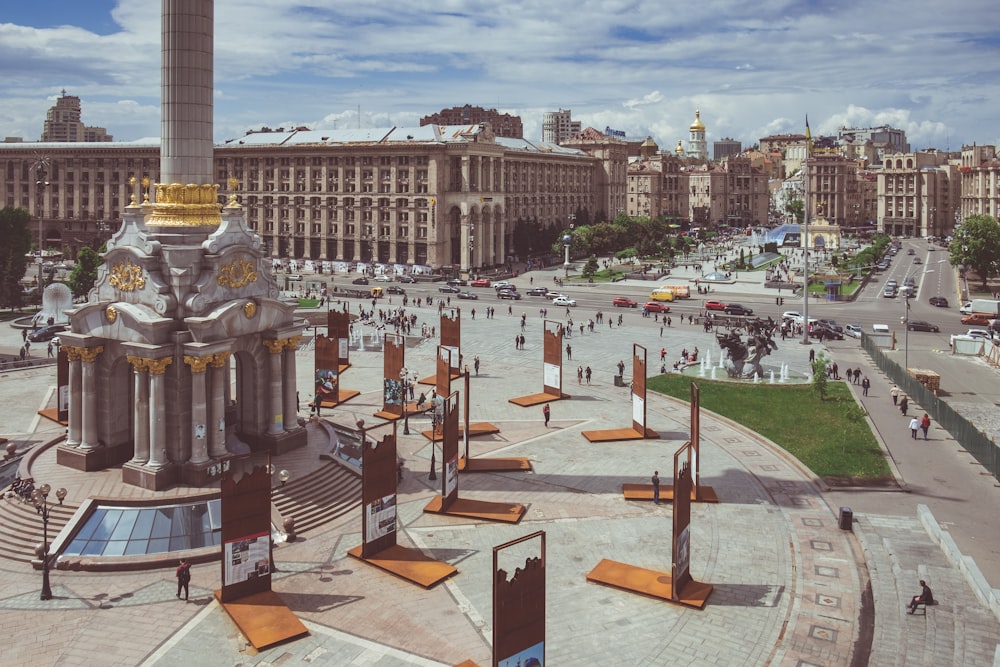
<point x="971" y="334"/>
<point x="503" y="284"/>
<point x="853" y="330"/>
<point x="556" y="295"/>
<point x="563" y="301"/>
<point x="383" y="278"/>
<point x="793" y="315"/>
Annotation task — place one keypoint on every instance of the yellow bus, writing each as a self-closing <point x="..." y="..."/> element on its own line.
<point x="662" y="294"/>
<point x="680" y="291"/>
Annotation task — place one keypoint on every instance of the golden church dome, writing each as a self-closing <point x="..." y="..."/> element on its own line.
<point x="697" y="125"/>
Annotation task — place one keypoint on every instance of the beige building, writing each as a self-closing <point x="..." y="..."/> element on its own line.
<point x="918" y="194"/>
<point x="732" y="193"/>
<point x="434" y="196"/>
<point x="979" y="173"/>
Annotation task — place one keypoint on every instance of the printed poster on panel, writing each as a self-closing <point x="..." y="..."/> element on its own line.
<point x="247" y="558"/>
<point x="381" y="519"/>
<point x="638" y="410"/>
<point x="550" y="377"/>
<point x="451" y="476"/>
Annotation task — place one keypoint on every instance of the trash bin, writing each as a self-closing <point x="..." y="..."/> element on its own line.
<point x="618" y="381"/>
<point x="846" y="518"/>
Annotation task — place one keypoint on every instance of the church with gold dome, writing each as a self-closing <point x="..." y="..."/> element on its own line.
<point x="697" y="144"/>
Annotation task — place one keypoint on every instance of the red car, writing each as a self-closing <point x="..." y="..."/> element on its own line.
<point x="482" y="282"/>
<point x="714" y="305"/>
<point x="624" y="302"/>
<point x="656" y="307"/>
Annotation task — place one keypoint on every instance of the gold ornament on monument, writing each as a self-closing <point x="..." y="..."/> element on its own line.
<point x="233" y="183"/>
<point x="127" y="277"/>
<point x="237" y="273"/>
<point x="111" y="313"/>
<point x="188" y="205"/>
<point x="249" y="309"/>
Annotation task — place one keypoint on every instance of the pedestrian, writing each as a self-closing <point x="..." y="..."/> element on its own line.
<point x="857" y="375"/>
<point x="663" y="353"/>
<point x="183" y="574"/>
<point x="517" y="342"/>
<point x="579" y="375"/>
<point x="668" y="321"/>
<point x="621" y="367"/>
<point x="656" y="487"/>
<point x="894" y="392"/>
<point x="904" y="404"/>
<point x="914" y="425"/>
<point x="547" y="413"/>
<point x="522" y="341"/>
<point x="836" y="373"/>
<point x="925" y="424"/>
<point x="925" y="597"/>
<point x="587" y="373"/>
<point x="812" y="355"/>
<point x="475" y="363"/>
<point x="865" y="386"/>
<point x="569" y="352"/>
<point x="50" y="349"/>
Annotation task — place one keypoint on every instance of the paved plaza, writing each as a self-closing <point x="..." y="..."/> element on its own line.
<point x="791" y="587"/>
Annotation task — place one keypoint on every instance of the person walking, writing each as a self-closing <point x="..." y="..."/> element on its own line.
<point x="656" y="487"/>
<point x="914" y="426"/>
<point x="865" y="386"/>
<point x="579" y="375"/>
<point x="569" y="352"/>
<point x="547" y="413"/>
<point x="925" y="424"/>
<point x="587" y="373"/>
<point x="183" y="574"/>
<point x="894" y="392"/>
<point x="812" y="355"/>
<point x="904" y="404"/>
<point x="475" y="364"/>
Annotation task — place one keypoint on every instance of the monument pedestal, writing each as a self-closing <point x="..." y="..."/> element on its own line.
<point x="287" y="441"/>
<point x="89" y="460"/>
<point x="151" y="479"/>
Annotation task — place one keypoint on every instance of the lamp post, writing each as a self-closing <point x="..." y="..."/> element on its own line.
<point x="404" y="381"/>
<point x="40" y="184"/>
<point x="568" y="241"/>
<point x="906" y="334"/>
<point x="40" y="498"/>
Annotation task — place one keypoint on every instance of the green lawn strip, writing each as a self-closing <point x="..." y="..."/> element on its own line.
<point x="830" y="437"/>
<point x="308" y="303"/>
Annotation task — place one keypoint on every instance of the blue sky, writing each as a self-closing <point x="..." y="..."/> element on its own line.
<point x="641" y="66"/>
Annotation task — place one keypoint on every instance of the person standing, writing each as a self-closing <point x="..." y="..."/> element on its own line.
<point x="914" y="425"/>
<point x="587" y="373"/>
<point x="925" y="424"/>
<point x="547" y="413"/>
<point x="812" y="355"/>
<point x="183" y="575"/>
<point x="475" y="364"/>
<point x="656" y="487"/>
<point x="569" y="352"/>
<point x="865" y="386"/>
<point x="894" y="392"/>
<point x="621" y="367"/>
<point x="579" y="375"/>
<point x="904" y="404"/>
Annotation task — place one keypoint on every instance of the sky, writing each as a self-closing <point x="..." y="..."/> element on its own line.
<point x="753" y="69"/>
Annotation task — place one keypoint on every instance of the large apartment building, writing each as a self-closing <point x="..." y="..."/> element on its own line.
<point x="62" y="123"/>
<point x="432" y="196"/>
<point x="919" y="194"/>
<point x="503" y="125"/>
<point x="979" y="172"/>
<point x="558" y="126"/>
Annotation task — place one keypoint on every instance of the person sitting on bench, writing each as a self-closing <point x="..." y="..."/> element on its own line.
<point x="925" y="597"/>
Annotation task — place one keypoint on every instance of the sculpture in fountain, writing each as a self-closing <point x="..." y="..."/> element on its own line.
<point x="745" y="355"/>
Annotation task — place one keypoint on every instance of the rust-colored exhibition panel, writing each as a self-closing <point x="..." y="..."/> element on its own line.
<point x="449" y="450"/>
<point x="552" y="352"/>
<point x="338" y="328"/>
<point x="519" y="608"/>
<point x="246" y="530"/>
<point x="451" y="328"/>
<point x="638" y="388"/>
<point x="394" y="393"/>
<point x="442" y="374"/>
<point x="378" y="493"/>
<point x="408" y="564"/>
<point x="327" y="371"/>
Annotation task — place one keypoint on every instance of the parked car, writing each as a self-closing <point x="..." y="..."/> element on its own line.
<point x="891" y="282"/>
<point x="793" y="315"/>
<point x="467" y="295"/>
<point x="46" y="333"/>
<point x="882" y="266"/>
<point x="939" y="301"/>
<point x="406" y="279"/>
<point x="383" y="278"/>
<point x="623" y="302"/>
<point x="831" y="324"/>
<point x="922" y="325"/>
<point x="737" y="309"/>
<point x="538" y="291"/>
<point x="360" y="281"/>
<point x="983" y="334"/>
<point x="509" y="294"/>
<point x="295" y="276"/>
<point x="853" y="330"/>
<point x="714" y="305"/>
<point x="656" y="307"/>
<point x="458" y="282"/>
<point x="563" y="301"/>
<point x="450" y="289"/>
<point x="481" y="282"/>
<point x="822" y="331"/>
<point x="394" y="289"/>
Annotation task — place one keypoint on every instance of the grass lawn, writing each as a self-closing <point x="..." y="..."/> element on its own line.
<point x="830" y="437"/>
<point x="308" y="303"/>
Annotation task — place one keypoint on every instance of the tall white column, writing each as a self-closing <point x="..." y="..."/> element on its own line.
<point x="90" y="433"/>
<point x="199" y="408"/>
<point x="217" y="410"/>
<point x="140" y="421"/>
<point x="288" y="381"/>
<point x="75" y="395"/>
<point x="158" y="413"/>
<point x="275" y="404"/>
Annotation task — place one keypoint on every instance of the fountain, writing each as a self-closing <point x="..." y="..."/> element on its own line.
<point x="707" y="361"/>
<point x="771" y="379"/>
<point x="701" y="370"/>
<point x="713" y="371"/>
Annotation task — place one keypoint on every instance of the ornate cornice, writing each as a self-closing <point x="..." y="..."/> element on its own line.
<point x="292" y="342"/>
<point x="197" y="364"/>
<point x="274" y="346"/>
<point x="90" y="354"/>
<point x="219" y="359"/>
<point x="72" y="352"/>
<point x="139" y="364"/>
<point x="189" y="205"/>
<point x="159" y="366"/>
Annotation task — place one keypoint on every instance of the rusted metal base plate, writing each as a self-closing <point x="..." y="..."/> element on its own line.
<point x="479" y="428"/>
<point x="411" y="408"/>
<point x="408" y="564"/>
<point x="263" y="618"/>
<point x="477" y="509"/>
<point x="53" y="414"/>
<point x="645" y="492"/>
<point x="536" y="399"/>
<point x="432" y="379"/>
<point x="655" y="584"/>
<point x="342" y="396"/>
<point x="514" y="464"/>
<point x="619" y="435"/>
<point x="467" y="663"/>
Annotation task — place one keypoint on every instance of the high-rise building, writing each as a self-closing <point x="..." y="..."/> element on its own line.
<point x="62" y="123"/>
<point x="725" y="147"/>
<point x="559" y="126"/>
<point x="872" y="143"/>
<point x="504" y="125"/>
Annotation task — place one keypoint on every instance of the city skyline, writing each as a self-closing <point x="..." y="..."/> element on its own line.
<point x="753" y="71"/>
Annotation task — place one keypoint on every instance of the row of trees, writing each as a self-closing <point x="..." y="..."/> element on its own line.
<point x="649" y="237"/>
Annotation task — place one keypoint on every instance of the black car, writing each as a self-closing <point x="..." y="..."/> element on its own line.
<point x="538" y="291"/>
<point x="451" y="289"/>
<point x="509" y="294"/>
<point x="825" y="332"/>
<point x="360" y="281"/>
<point x="922" y="325"/>
<point x="832" y="325"/>
<point x="458" y="282"/>
<point x="406" y="279"/>
<point x="394" y="289"/>
<point x="467" y="295"/>
<point x="737" y="309"/>
<point x="939" y="301"/>
<point x="46" y="333"/>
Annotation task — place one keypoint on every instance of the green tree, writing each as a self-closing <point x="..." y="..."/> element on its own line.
<point x="590" y="268"/>
<point x="84" y="274"/>
<point x="976" y="244"/>
<point x="796" y="209"/>
<point x="819" y="376"/>
<point x="16" y="235"/>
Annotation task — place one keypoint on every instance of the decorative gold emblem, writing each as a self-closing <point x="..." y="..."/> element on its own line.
<point x="237" y="273"/>
<point x="249" y="309"/>
<point x="127" y="277"/>
<point x="197" y="364"/>
<point x="111" y="313"/>
<point x="131" y="183"/>
<point x="233" y="183"/>
<point x="189" y="205"/>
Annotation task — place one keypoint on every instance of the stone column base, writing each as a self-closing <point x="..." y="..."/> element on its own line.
<point x="151" y="479"/>
<point x="287" y="441"/>
<point x="200" y="474"/>
<point x="89" y="460"/>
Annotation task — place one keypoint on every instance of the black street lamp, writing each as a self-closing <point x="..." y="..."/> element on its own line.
<point x="404" y="379"/>
<point x="40" y="499"/>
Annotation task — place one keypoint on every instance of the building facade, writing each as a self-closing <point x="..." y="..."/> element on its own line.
<point x="979" y="173"/>
<point x="558" y="126"/>
<point x="918" y="194"/>
<point x="725" y="147"/>
<point x="62" y="123"/>
<point x="503" y="125"/>
<point x="697" y="144"/>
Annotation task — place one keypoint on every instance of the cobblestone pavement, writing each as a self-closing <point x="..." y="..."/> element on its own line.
<point x="791" y="588"/>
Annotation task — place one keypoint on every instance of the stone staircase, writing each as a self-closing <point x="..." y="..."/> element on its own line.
<point x="324" y="495"/>
<point x="23" y="528"/>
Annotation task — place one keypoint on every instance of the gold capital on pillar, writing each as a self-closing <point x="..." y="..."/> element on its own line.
<point x="197" y="364"/>
<point x="275" y="346"/>
<point x="140" y="364"/>
<point x="72" y="352"/>
<point x="90" y="354"/>
<point x="219" y="359"/>
<point x="159" y="366"/>
<point x="292" y="342"/>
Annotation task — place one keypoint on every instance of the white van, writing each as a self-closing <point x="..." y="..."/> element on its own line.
<point x="880" y="328"/>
